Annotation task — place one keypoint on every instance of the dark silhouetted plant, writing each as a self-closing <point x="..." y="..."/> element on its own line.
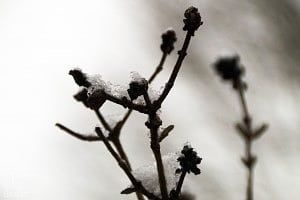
<point x="95" y="92"/>
<point x="230" y="70"/>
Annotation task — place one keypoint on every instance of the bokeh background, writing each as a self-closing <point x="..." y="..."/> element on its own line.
<point x="41" y="40"/>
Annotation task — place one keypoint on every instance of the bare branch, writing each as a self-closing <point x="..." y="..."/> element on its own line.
<point x="102" y="120"/>
<point x="89" y="138"/>
<point x="165" y="133"/>
<point x="137" y="184"/>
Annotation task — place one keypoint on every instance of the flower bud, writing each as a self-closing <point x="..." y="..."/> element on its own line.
<point x="192" y="20"/>
<point x="189" y="160"/>
<point x="137" y="88"/>
<point x="79" y="77"/>
<point x="82" y="96"/>
<point x="230" y="69"/>
<point x="96" y="99"/>
<point x="168" y="40"/>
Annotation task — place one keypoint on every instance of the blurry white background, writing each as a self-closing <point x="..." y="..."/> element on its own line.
<point x="41" y="40"/>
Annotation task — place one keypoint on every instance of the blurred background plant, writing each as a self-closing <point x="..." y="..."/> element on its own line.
<point x="42" y="40"/>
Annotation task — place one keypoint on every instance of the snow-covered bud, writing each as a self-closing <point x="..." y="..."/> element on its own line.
<point x="168" y="40"/>
<point x="192" y="20"/>
<point x="96" y="99"/>
<point x="189" y="160"/>
<point x="138" y="86"/>
<point x="82" y="96"/>
<point x="79" y="77"/>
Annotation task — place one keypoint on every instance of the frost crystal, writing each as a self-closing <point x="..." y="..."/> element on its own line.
<point x="136" y="77"/>
<point x="149" y="178"/>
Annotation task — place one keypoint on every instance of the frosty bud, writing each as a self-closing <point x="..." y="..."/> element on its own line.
<point x="192" y="20"/>
<point x="96" y="99"/>
<point x="137" y="88"/>
<point x="79" y="77"/>
<point x="189" y="160"/>
<point x="168" y="40"/>
<point x="82" y="96"/>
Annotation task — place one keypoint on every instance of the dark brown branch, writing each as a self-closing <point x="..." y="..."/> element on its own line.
<point x="89" y="138"/>
<point x="158" y="68"/>
<point x="152" y="77"/>
<point x="176" y="194"/>
<point x="182" y="53"/>
<point x="249" y="159"/>
<point x="153" y="125"/>
<point x="165" y="133"/>
<point x="126" y="103"/>
<point x="119" y="147"/>
<point x="103" y="121"/>
<point x="137" y="184"/>
<point x="114" y="137"/>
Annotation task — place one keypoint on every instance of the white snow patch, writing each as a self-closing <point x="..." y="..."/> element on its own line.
<point x="149" y="177"/>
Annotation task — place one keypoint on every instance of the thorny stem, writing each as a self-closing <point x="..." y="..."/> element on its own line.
<point x="248" y="141"/>
<point x="182" y="53"/>
<point x="89" y="138"/>
<point x="138" y="186"/>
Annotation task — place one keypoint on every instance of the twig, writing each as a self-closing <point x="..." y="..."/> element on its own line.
<point x="103" y="121"/>
<point x="159" y="67"/>
<point x="182" y="53"/>
<point x="89" y="138"/>
<point x="152" y="77"/>
<point x="126" y="103"/>
<point x="179" y="186"/>
<point x="249" y="159"/>
<point x="230" y="69"/>
<point x="137" y="184"/>
<point x="153" y="125"/>
<point x="115" y="139"/>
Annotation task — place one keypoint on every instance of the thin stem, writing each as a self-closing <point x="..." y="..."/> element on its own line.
<point x="103" y="121"/>
<point x="155" y="147"/>
<point x="127" y="103"/>
<point x="137" y="184"/>
<point x="89" y="138"/>
<point x="117" y="143"/>
<point x="249" y="159"/>
<point x="182" y="53"/>
<point x="250" y="174"/>
<point x="121" y="152"/>
<point x="150" y="80"/>
<point x="179" y="185"/>
<point x="158" y="68"/>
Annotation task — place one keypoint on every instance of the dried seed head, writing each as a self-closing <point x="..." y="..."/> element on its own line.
<point x="168" y="40"/>
<point x="79" y="77"/>
<point x="189" y="160"/>
<point x="192" y="20"/>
